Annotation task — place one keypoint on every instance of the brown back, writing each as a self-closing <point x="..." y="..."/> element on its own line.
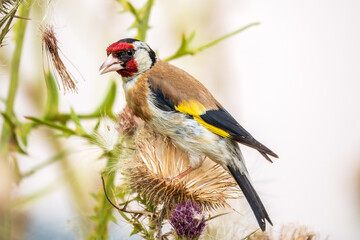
<point x="177" y="85"/>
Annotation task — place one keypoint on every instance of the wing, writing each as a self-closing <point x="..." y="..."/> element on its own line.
<point x="220" y="118"/>
<point x="176" y="90"/>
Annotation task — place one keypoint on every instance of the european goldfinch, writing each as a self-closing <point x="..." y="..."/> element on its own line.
<point x="178" y="106"/>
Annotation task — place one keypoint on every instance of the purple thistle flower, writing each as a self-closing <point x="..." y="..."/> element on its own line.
<point x="187" y="220"/>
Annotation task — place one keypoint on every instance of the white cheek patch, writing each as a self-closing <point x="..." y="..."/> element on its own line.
<point x="142" y="56"/>
<point x="143" y="60"/>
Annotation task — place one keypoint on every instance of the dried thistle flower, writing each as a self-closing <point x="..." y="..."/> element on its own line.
<point x="50" y="44"/>
<point x="158" y="161"/>
<point x="260" y="236"/>
<point x="128" y="123"/>
<point x="287" y="232"/>
<point x="187" y="220"/>
<point x="293" y="232"/>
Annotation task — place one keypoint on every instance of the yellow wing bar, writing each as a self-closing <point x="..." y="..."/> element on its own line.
<point x="195" y="109"/>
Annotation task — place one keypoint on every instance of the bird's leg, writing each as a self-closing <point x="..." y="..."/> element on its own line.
<point x="182" y="174"/>
<point x="195" y="162"/>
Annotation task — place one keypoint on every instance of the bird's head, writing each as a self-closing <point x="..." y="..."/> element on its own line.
<point x="128" y="57"/>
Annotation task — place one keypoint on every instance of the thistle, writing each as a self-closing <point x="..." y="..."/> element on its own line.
<point x="287" y="232"/>
<point x="187" y="220"/>
<point x="50" y="44"/>
<point x="128" y="123"/>
<point x="294" y="232"/>
<point x="150" y="173"/>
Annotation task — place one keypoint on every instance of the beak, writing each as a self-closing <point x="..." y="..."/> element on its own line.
<point x="111" y="64"/>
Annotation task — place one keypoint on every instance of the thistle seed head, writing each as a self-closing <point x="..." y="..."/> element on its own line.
<point x="157" y="161"/>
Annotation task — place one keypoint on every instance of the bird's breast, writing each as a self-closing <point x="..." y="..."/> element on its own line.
<point x="136" y="94"/>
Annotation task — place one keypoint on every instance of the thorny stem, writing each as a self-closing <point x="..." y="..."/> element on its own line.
<point x="161" y="218"/>
<point x="57" y="157"/>
<point x="52" y="101"/>
<point x="7" y="18"/>
<point x="6" y="133"/>
<point x="104" y="212"/>
<point x="144" y="24"/>
<point x="63" y="118"/>
<point x="124" y="208"/>
<point x="216" y="41"/>
<point x="210" y="44"/>
<point x="14" y="75"/>
<point x="152" y="227"/>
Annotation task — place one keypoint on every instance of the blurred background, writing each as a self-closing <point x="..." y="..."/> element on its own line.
<point x="293" y="82"/>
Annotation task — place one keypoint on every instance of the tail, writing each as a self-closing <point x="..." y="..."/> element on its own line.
<point x="251" y="196"/>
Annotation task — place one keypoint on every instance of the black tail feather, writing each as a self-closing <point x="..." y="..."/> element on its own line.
<point x="252" y="197"/>
<point x="265" y="156"/>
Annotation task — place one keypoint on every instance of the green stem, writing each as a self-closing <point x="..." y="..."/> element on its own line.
<point x="144" y="24"/>
<point x="37" y="194"/>
<point x="19" y="29"/>
<point x="64" y="117"/>
<point x="152" y="227"/>
<point x="52" y="101"/>
<point x="6" y="133"/>
<point x="8" y="18"/>
<point x="104" y="211"/>
<point x="57" y="157"/>
<point x="210" y="44"/>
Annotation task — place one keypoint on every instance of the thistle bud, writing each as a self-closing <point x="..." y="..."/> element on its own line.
<point x="187" y="220"/>
<point x="127" y="124"/>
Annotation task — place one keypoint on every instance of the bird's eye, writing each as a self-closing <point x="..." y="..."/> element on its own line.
<point x="129" y="52"/>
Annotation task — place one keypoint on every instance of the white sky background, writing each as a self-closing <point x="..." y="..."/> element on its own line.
<point x="293" y="82"/>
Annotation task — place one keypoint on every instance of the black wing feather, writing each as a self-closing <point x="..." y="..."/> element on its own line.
<point x="161" y="101"/>
<point x="222" y="119"/>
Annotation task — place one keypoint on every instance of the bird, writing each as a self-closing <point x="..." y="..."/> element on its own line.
<point x="178" y="106"/>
